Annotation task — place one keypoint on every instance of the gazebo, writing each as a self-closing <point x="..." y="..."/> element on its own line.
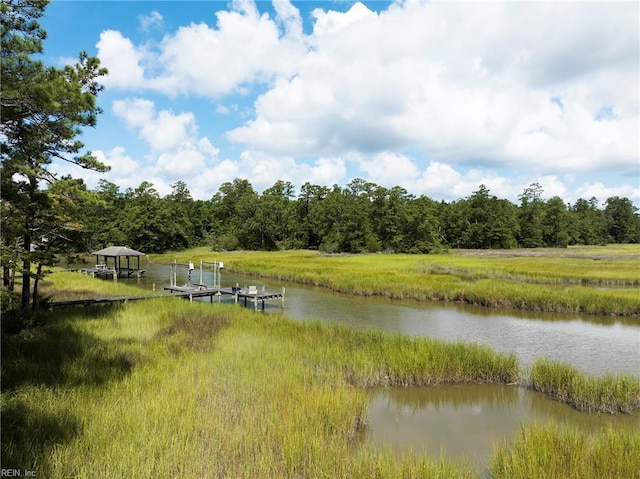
<point x="118" y="252"/>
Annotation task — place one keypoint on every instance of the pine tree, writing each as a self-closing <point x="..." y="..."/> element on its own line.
<point x="42" y="112"/>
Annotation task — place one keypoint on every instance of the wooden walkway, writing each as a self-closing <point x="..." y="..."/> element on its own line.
<point x="190" y="292"/>
<point x="91" y="301"/>
<point x="110" y="273"/>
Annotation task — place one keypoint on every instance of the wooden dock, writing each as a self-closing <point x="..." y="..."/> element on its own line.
<point x="250" y="294"/>
<point x="247" y="295"/>
<point x="92" y="301"/>
<point x="110" y="273"/>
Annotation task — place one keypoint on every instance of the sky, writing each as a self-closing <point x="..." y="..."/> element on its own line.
<point x="437" y="97"/>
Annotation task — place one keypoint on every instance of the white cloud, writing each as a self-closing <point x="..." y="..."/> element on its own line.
<point x="242" y="48"/>
<point x="389" y="169"/>
<point x="264" y="170"/>
<point x="175" y="150"/>
<point x="289" y="16"/>
<point x="463" y="87"/>
<point x="122" y="165"/>
<point x="163" y="130"/>
<point x="126" y="172"/>
<point x="122" y="59"/>
<point x="329" y="23"/>
<point x="222" y="109"/>
<point x="151" y="21"/>
<point x="602" y="192"/>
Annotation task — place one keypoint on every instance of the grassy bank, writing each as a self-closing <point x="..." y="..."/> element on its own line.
<point x="565" y="383"/>
<point x="67" y="286"/>
<point x="594" y="280"/>
<point x="548" y="451"/>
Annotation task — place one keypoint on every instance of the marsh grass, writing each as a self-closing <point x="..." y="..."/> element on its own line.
<point x="166" y="388"/>
<point x="69" y="286"/>
<point x="553" y="452"/>
<point x="609" y="393"/>
<point x="599" y="281"/>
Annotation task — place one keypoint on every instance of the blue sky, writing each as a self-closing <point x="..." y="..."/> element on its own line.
<point x="436" y="97"/>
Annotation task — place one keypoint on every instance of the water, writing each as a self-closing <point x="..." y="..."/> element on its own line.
<point x="464" y="422"/>
<point x="467" y="422"/>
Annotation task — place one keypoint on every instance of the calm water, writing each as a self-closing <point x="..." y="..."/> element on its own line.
<point x="467" y="422"/>
<point x="464" y="422"/>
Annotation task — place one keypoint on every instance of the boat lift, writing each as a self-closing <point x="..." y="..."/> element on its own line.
<point x="217" y="267"/>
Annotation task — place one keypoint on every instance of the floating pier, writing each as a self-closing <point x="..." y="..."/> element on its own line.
<point x="248" y="295"/>
<point x="199" y="290"/>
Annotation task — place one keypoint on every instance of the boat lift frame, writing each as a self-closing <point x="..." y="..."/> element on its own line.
<point x="217" y="276"/>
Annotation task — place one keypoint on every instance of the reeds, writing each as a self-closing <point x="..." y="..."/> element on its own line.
<point x="69" y="286"/>
<point x="554" y="452"/>
<point x="609" y="393"/>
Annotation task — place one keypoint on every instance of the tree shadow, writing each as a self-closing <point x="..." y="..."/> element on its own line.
<point x="29" y="433"/>
<point x="53" y="355"/>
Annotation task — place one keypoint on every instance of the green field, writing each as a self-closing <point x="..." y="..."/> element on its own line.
<point x="165" y="388"/>
<point x="594" y="280"/>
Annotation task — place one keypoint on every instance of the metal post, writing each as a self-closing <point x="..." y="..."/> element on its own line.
<point x="201" y="271"/>
<point x="175" y="273"/>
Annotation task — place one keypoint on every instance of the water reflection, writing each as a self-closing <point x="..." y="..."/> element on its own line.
<point x="594" y="344"/>
<point x="466" y="422"/>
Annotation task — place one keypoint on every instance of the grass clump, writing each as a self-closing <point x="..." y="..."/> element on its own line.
<point x="609" y="393"/>
<point x="553" y="452"/>
<point x="374" y="359"/>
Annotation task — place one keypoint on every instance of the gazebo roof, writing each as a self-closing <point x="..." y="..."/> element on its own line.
<point x="118" y="251"/>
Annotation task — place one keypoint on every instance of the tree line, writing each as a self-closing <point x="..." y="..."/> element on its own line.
<point x="360" y="217"/>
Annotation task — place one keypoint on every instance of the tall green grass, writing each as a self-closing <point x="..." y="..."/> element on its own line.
<point x="590" y="281"/>
<point x="552" y="452"/>
<point x="372" y="358"/>
<point x="609" y="393"/>
<point x="166" y="388"/>
<point x="65" y="285"/>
